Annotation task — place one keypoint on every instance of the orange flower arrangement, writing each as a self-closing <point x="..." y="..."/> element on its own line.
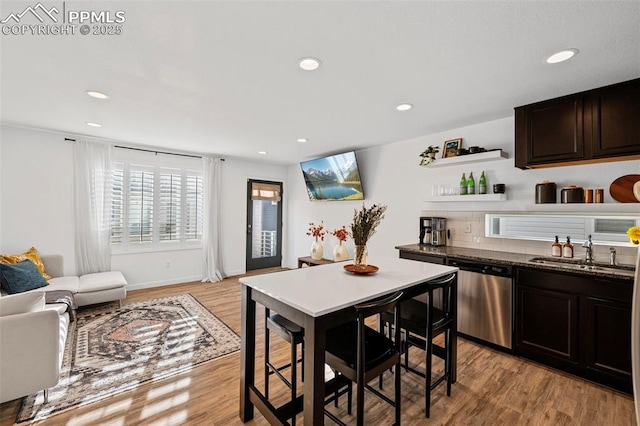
<point x="341" y="234"/>
<point x="316" y="231"/>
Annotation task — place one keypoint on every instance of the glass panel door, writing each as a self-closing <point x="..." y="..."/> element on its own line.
<point x="264" y="224"/>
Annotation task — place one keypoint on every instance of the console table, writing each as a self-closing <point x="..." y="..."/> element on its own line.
<point x="307" y="260"/>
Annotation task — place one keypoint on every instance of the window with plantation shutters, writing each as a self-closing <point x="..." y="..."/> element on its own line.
<point x="169" y="208"/>
<point x="153" y="207"/>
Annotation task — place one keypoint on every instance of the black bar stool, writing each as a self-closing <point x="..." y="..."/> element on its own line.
<point x="422" y="322"/>
<point x="361" y="353"/>
<point x="292" y="333"/>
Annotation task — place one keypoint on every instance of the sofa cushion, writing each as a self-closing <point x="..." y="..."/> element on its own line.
<point x="21" y="277"/>
<point x="31" y="254"/>
<point x="68" y="282"/>
<point x="22" y="303"/>
<point x="101" y="281"/>
<point x="60" y="308"/>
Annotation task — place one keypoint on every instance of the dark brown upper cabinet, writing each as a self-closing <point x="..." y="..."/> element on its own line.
<point x="588" y="127"/>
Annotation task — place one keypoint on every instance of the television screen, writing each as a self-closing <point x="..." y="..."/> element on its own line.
<point x="335" y="177"/>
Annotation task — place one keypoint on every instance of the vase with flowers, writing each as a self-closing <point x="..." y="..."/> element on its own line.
<point x="340" y="252"/>
<point x="317" y="232"/>
<point x="634" y="235"/>
<point x="365" y="222"/>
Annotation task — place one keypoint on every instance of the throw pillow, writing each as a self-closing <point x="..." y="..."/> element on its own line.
<point x="31" y="254"/>
<point x="21" y="277"/>
<point x="22" y="303"/>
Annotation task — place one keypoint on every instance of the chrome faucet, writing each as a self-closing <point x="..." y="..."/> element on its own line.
<point x="612" y="254"/>
<point x="589" y="254"/>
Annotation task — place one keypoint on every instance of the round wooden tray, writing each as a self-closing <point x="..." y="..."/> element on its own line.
<point x="370" y="269"/>
<point x="623" y="189"/>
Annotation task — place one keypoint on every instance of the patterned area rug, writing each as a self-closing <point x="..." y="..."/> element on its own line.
<point x="111" y="350"/>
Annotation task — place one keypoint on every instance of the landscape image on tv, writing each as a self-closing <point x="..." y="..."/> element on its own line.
<point x="335" y="177"/>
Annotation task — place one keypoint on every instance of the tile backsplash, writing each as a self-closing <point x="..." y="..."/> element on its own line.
<point x="458" y="221"/>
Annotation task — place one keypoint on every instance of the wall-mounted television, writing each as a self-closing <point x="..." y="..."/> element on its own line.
<point x="332" y="178"/>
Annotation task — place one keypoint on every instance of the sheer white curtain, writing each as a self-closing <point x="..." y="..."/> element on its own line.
<point x="92" y="206"/>
<point x="212" y="268"/>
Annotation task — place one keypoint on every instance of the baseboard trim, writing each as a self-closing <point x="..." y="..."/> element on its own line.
<point x="140" y="286"/>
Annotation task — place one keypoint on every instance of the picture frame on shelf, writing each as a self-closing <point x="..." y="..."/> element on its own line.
<point x="451" y="147"/>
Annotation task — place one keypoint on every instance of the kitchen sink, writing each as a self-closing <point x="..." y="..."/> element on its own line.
<point x="581" y="264"/>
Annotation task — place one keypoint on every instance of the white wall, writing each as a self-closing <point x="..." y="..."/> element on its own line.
<point x="36" y="209"/>
<point x="36" y="181"/>
<point x="234" y="214"/>
<point x="37" y="197"/>
<point x="391" y="175"/>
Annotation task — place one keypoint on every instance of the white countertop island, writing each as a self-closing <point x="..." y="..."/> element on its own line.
<point x="318" y="298"/>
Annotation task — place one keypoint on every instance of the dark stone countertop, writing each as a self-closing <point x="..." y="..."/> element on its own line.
<point x="514" y="259"/>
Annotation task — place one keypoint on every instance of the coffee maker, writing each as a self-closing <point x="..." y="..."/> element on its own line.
<point x="438" y="231"/>
<point x="425" y="231"/>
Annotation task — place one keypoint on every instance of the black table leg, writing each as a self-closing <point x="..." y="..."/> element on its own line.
<point x="454" y="332"/>
<point x="247" y="353"/>
<point x="315" y="345"/>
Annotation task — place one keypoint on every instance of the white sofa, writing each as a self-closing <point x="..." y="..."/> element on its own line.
<point x="87" y="289"/>
<point x="32" y="338"/>
<point x="33" y="334"/>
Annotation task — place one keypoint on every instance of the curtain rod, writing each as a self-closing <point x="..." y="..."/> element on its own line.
<point x="150" y="150"/>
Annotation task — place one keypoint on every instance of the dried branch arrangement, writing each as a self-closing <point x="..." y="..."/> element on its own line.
<point x="365" y="222"/>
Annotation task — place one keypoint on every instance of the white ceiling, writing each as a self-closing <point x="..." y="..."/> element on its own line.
<point x="222" y="77"/>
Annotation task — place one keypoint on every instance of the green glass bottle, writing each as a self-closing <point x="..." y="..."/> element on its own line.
<point x="471" y="184"/>
<point x="463" y="185"/>
<point x="482" y="184"/>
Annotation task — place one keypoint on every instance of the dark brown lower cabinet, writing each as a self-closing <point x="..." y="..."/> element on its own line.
<point x="608" y="325"/>
<point x="547" y="324"/>
<point x="578" y="324"/>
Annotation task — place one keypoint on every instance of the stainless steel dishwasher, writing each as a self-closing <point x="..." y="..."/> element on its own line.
<point x="485" y="309"/>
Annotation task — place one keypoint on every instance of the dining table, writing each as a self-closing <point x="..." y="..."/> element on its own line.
<point x="318" y="298"/>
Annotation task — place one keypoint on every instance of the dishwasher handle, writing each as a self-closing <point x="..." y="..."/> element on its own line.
<point x="482" y="268"/>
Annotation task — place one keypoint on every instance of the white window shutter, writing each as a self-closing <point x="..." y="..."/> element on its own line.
<point x="141" y="184"/>
<point x="169" y="209"/>
<point x="193" y="210"/>
<point x="117" y="204"/>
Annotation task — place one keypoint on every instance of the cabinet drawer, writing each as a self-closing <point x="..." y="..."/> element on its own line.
<point x="430" y="258"/>
<point x="550" y="280"/>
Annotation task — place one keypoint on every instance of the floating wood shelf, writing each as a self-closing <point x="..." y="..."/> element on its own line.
<point x="469" y="158"/>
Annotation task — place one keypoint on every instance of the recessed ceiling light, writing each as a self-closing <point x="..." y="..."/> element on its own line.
<point x="561" y="56"/>
<point x="97" y="95"/>
<point x="262" y="152"/>
<point x="404" y="107"/>
<point x="89" y="123"/>
<point x="309" y="64"/>
<point x="302" y="140"/>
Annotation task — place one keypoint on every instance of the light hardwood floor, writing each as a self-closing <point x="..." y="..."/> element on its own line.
<point x="493" y="388"/>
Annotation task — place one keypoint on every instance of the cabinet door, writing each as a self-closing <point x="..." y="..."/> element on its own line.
<point x="607" y="337"/>
<point x="547" y="325"/>
<point x="615" y="123"/>
<point x="550" y="132"/>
